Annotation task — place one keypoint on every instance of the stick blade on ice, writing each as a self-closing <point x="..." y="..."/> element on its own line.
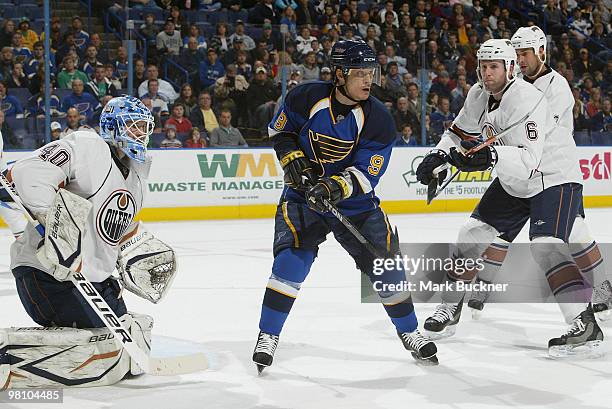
<point x="185" y="364"/>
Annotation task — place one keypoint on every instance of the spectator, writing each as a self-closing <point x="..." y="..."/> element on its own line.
<point x="389" y="10"/>
<point x="67" y="46"/>
<point x="394" y="78"/>
<point x="211" y="69"/>
<point x="402" y="115"/>
<point x="36" y="104"/>
<point x="191" y="57"/>
<point x="156" y="117"/>
<point x="304" y="41"/>
<point x="309" y="68"/>
<point x="109" y="73"/>
<point x="100" y="86"/>
<point x="56" y="36"/>
<point x="17" y="79"/>
<point x="594" y="104"/>
<point x="120" y="66"/>
<point x="91" y="61"/>
<point x="554" y="18"/>
<point x="56" y="131"/>
<point x="160" y="106"/>
<point x="178" y="120"/>
<point x="69" y="74"/>
<point x="149" y="29"/>
<point x="584" y="64"/>
<point x="442" y="85"/>
<point x="261" y="95"/>
<point x="249" y="43"/>
<point x="9" y="104"/>
<point x="242" y="66"/>
<point x="289" y="19"/>
<point x="195" y="140"/>
<point x="38" y="79"/>
<point x="29" y="36"/>
<point x="267" y="36"/>
<point x="406" y="138"/>
<point x="179" y="22"/>
<point x="38" y="57"/>
<point x="139" y="74"/>
<point x="84" y="102"/>
<point x="7" y="58"/>
<point x="6" y="34"/>
<point x="220" y="41"/>
<point x="203" y="116"/>
<point x="579" y="112"/>
<point x="459" y="94"/>
<point x="187" y="99"/>
<point x="168" y="42"/>
<point x="226" y="134"/>
<point x="230" y="93"/>
<point x="602" y="120"/>
<point x="264" y="10"/>
<point x="231" y="55"/>
<point x="166" y="90"/>
<point x="170" y="141"/>
<point x="20" y="52"/>
<point x="200" y="40"/>
<point x="8" y="136"/>
<point x="73" y="122"/>
<point x="326" y="74"/>
<point x="414" y="99"/>
<point x="442" y="118"/>
<point x="81" y="38"/>
<point x="579" y="25"/>
<point x="94" y="122"/>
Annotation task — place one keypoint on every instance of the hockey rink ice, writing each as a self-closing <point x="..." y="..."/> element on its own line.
<point x="334" y="352"/>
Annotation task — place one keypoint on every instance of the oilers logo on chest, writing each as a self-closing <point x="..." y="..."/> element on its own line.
<point x="488" y="130"/>
<point x="115" y="216"/>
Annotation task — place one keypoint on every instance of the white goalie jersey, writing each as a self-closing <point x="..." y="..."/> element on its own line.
<point x="82" y="164"/>
<point x="530" y="158"/>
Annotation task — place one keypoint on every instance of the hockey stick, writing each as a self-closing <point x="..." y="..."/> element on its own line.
<point x="153" y="366"/>
<point x="433" y="192"/>
<point x="354" y="230"/>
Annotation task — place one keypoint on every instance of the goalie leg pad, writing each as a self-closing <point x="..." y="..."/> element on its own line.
<point x="60" y="357"/>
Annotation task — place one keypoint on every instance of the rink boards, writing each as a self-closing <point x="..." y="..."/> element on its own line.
<point x="199" y="184"/>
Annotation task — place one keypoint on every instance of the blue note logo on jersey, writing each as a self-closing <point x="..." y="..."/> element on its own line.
<point x="327" y="149"/>
<point x="115" y="216"/>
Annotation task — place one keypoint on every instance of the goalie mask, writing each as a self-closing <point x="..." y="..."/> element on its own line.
<point x="127" y="123"/>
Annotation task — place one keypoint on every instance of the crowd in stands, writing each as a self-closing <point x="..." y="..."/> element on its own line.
<point x="215" y="69"/>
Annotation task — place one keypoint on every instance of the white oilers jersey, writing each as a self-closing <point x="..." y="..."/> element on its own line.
<point x="82" y="164"/>
<point x="560" y="154"/>
<point x="525" y="165"/>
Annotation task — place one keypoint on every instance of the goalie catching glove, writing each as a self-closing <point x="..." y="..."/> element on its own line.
<point x="146" y="266"/>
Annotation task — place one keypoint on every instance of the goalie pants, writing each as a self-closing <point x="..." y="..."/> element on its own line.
<point x="298" y="233"/>
<point x="52" y="303"/>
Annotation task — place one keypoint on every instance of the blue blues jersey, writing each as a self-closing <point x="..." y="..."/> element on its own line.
<point x="357" y="145"/>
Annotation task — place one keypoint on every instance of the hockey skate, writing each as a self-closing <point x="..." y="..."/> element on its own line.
<point x="443" y="322"/>
<point x="477" y="301"/>
<point x="264" y="350"/>
<point x="602" y="301"/>
<point x="422" y="349"/>
<point x="583" y="338"/>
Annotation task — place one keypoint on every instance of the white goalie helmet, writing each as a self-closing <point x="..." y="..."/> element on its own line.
<point x="498" y="49"/>
<point x="530" y="37"/>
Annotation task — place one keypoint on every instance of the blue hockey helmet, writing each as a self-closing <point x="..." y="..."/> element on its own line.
<point x="351" y="54"/>
<point x="127" y="123"/>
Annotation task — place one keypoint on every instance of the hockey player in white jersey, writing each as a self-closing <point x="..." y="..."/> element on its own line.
<point x="533" y="182"/>
<point x="530" y="45"/>
<point x="15" y="221"/>
<point x="73" y="347"/>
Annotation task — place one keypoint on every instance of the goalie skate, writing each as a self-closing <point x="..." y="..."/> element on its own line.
<point x="443" y="322"/>
<point x="583" y="338"/>
<point x="602" y="301"/>
<point x="263" y="355"/>
<point x="422" y="349"/>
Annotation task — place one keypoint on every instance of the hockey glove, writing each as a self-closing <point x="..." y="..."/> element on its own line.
<point x="299" y="173"/>
<point x="431" y="161"/>
<point x="484" y="159"/>
<point x="333" y="189"/>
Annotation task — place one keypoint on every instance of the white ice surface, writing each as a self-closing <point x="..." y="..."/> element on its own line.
<point x="334" y="352"/>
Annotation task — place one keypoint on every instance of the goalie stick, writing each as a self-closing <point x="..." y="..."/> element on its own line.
<point x="153" y="366"/>
<point x="433" y="191"/>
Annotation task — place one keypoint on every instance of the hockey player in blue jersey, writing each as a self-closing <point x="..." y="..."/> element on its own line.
<point x="334" y="143"/>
